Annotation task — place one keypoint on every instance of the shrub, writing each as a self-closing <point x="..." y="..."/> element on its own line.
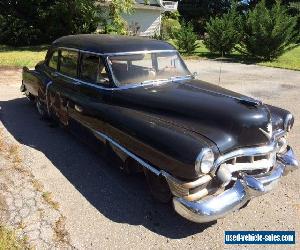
<point x="170" y="25"/>
<point x="268" y="33"/>
<point x="39" y="21"/>
<point x="224" y="32"/>
<point x="169" y="28"/>
<point x="186" y="38"/>
<point x="15" y="32"/>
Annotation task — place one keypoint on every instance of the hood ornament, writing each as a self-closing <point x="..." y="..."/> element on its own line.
<point x="269" y="132"/>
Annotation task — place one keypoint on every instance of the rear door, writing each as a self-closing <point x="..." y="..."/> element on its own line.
<point x="63" y="87"/>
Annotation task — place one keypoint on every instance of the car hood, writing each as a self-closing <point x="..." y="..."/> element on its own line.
<point x="228" y="119"/>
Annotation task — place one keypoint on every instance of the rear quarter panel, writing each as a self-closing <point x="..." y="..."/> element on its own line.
<point x="35" y="81"/>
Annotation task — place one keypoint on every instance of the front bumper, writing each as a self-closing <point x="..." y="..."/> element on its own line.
<point x="214" y="207"/>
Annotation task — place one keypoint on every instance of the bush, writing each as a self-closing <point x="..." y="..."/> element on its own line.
<point x="39" y="21"/>
<point x="15" y="32"/>
<point x="169" y="28"/>
<point x="170" y="25"/>
<point x="224" y="32"/>
<point x="268" y="33"/>
<point x="186" y="38"/>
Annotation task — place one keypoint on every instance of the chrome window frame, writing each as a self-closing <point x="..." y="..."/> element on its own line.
<point x="106" y="55"/>
<point x="144" y="52"/>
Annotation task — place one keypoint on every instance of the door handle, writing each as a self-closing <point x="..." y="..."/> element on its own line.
<point x="54" y="74"/>
<point x="78" y="108"/>
<point x="77" y="83"/>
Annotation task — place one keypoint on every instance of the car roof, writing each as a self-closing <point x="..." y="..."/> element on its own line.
<point x="106" y="44"/>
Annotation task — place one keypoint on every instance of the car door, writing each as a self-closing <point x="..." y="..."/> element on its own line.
<point x="62" y="90"/>
<point x="92" y="93"/>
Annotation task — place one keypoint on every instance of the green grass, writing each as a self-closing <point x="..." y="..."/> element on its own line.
<point x="21" y="56"/>
<point x="31" y="55"/>
<point x="289" y="60"/>
<point x="8" y="240"/>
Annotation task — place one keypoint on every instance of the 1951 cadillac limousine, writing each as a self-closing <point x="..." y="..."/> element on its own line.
<point x="208" y="149"/>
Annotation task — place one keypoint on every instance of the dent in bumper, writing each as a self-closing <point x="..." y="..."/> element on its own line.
<point x="215" y="207"/>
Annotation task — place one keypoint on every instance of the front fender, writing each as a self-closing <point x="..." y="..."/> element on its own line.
<point x="165" y="146"/>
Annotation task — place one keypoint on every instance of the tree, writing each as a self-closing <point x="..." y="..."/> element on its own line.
<point x="293" y="7"/>
<point x="224" y="32"/>
<point x="268" y="33"/>
<point x="41" y="21"/>
<point x="116" y="23"/>
<point x="186" y="39"/>
<point x="170" y="25"/>
<point x="199" y="11"/>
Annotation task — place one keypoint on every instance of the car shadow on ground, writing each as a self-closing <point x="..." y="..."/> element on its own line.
<point x="121" y="198"/>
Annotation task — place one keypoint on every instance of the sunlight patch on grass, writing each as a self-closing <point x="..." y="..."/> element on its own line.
<point x="289" y="60"/>
<point x="22" y="56"/>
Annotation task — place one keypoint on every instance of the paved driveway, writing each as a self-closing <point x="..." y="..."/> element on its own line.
<point x="105" y="209"/>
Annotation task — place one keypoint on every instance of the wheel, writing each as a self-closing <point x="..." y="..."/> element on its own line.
<point x="29" y="96"/>
<point x="40" y="108"/>
<point x="159" y="187"/>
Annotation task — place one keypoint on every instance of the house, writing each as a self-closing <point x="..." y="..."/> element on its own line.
<point x="146" y="18"/>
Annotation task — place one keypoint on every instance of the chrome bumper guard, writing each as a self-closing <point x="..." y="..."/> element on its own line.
<point x="214" y="207"/>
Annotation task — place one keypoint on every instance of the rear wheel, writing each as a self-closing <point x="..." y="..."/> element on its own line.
<point x="159" y="187"/>
<point x="40" y="108"/>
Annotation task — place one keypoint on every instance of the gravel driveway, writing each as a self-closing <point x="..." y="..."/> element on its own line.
<point x="106" y="209"/>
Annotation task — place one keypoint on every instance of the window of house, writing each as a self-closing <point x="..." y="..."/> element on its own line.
<point x="68" y="62"/>
<point x="53" y="61"/>
<point x="93" y="69"/>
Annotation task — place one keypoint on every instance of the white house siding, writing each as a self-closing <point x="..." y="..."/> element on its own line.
<point x="144" y="22"/>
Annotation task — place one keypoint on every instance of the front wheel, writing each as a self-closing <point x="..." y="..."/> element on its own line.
<point x="159" y="187"/>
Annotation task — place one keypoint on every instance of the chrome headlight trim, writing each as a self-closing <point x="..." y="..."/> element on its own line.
<point x="288" y="122"/>
<point x="205" y="161"/>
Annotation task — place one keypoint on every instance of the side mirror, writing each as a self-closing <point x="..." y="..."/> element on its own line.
<point x="195" y="75"/>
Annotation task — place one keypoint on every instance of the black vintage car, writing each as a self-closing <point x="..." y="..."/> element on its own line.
<point x="208" y="149"/>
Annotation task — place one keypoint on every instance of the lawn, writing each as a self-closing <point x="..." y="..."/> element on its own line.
<point x="21" y="56"/>
<point x="30" y="56"/>
<point x="289" y="60"/>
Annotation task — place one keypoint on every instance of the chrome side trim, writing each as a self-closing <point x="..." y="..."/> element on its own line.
<point x="128" y="86"/>
<point x="139" y="160"/>
<point x="47" y="100"/>
<point x="184" y="185"/>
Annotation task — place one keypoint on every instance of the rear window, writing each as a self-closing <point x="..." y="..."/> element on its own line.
<point x="68" y="62"/>
<point x="93" y="69"/>
<point x="53" y="61"/>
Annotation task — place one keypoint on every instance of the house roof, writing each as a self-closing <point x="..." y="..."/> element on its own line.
<point x="105" y="44"/>
<point x="137" y="5"/>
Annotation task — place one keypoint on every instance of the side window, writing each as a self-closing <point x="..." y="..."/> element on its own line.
<point x="68" y="63"/>
<point x="93" y="69"/>
<point x="53" y="61"/>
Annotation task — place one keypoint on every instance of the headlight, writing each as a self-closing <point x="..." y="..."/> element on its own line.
<point x="204" y="161"/>
<point x="288" y="122"/>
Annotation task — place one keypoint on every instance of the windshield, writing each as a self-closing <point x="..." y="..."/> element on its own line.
<point x="147" y="67"/>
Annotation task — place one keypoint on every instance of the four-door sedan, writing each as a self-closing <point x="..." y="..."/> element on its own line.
<point x="208" y="149"/>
